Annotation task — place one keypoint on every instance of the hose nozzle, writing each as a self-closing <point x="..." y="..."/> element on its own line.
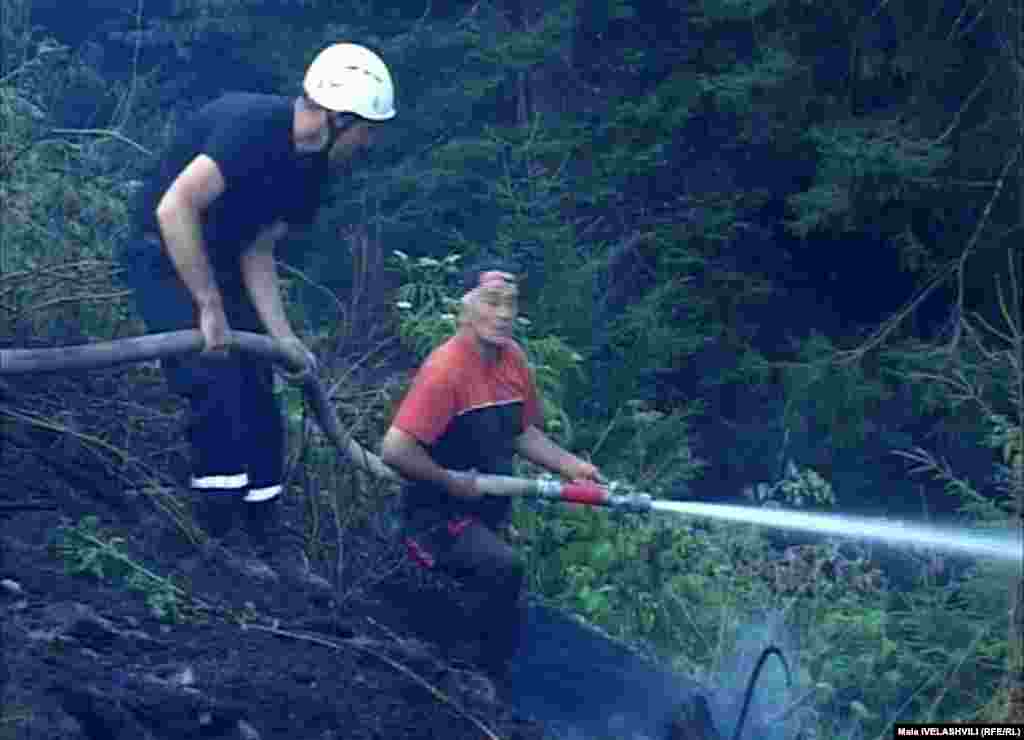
<point x="591" y="494"/>
<point x="635" y="502"/>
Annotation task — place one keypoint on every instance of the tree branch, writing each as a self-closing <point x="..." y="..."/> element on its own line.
<point x="970" y="99"/>
<point x="955" y="268"/>
<point x="103" y="132"/>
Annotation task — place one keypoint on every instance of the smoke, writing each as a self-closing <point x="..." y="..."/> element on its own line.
<point x="584" y="685"/>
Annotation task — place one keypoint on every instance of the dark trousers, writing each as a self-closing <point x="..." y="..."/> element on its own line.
<point x="491" y="573"/>
<point x="234" y="429"/>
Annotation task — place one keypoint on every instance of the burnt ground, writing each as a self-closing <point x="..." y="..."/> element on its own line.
<point x="87" y="658"/>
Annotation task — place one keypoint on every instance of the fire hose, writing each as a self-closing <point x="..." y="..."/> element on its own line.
<point x="99" y="355"/>
<point x="148" y="347"/>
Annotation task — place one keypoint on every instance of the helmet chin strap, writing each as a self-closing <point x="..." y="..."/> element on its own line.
<point x="333" y="133"/>
<point x="337" y="124"/>
<point x="328" y="135"/>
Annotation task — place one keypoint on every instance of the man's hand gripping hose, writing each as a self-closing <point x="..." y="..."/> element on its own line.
<point x="99" y="355"/>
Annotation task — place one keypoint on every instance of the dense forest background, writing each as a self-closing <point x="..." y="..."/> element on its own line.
<point x="702" y="193"/>
<point x="764" y="240"/>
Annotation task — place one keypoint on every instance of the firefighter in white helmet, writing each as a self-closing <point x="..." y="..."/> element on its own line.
<point x="348" y="78"/>
<point x="245" y="168"/>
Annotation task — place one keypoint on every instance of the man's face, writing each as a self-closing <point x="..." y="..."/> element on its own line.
<point x="349" y="142"/>
<point x="492" y="312"/>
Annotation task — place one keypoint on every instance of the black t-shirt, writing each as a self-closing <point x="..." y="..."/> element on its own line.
<point x="249" y="136"/>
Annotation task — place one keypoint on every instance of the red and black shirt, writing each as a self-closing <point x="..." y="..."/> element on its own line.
<point x="468" y="413"/>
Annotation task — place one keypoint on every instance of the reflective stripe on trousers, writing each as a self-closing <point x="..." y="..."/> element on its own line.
<point x="235" y="426"/>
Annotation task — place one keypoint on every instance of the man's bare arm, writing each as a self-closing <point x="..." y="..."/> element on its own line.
<point x="404" y="453"/>
<point x="178" y="214"/>
<point x="538" y="448"/>
<point x="259" y="274"/>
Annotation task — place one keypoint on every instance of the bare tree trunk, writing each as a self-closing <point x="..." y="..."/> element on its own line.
<point x="518" y="15"/>
<point x="366" y="301"/>
<point x="543" y="88"/>
<point x="524" y="111"/>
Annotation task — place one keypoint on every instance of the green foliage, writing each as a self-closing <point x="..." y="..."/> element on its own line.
<point x="551" y="153"/>
<point x="978" y="379"/>
<point x="64" y="200"/>
<point x="15" y="720"/>
<point x="862" y="166"/>
<point x="699" y="300"/>
<point x="693" y="594"/>
<point x="427" y="310"/>
<point x="636" y="137"/>
<point x="88" y="550"/>
<point x="798" y="488"/>
<point x="651" y="448"/>
<point x="821" y="204"/>
<point x="985" y="508"/>
<point x="736" y="89"/>
<point x="952" y="645"/>
<point x="716" y="11"/>
<point x="598" y="564"/>
<point x="518" y="180"/>
<point x="554" y="364"/>
<point x="1008" y="439"/>
<point x="832" y="397"/>
<point x="520" y="50"/>
<point x="660" y="328"/>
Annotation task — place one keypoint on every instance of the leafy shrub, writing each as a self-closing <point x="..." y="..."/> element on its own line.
<point x="87" y="550"/>
<point x="64" y="197"/>
<point x="830" y="399"/>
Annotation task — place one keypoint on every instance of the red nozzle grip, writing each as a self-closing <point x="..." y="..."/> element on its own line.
<point x="584" y="492"/>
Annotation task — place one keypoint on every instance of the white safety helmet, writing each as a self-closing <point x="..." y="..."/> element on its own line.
<point x="348" y="78"/>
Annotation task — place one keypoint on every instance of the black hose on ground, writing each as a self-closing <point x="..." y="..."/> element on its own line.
<point x="749" y="693"/>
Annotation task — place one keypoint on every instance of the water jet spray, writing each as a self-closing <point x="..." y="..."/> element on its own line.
<point x="1005" y="547"/>
<point x="156" y="346"/>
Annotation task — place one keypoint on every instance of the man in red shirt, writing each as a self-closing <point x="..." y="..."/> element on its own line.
<point x="471" y="407"/>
